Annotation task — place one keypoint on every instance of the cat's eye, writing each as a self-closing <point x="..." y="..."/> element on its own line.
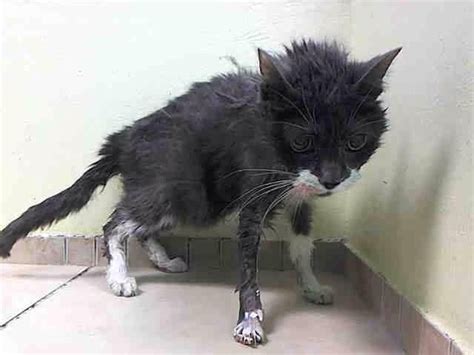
<point x="302" y="143"/>
<point x="356" y="142"/>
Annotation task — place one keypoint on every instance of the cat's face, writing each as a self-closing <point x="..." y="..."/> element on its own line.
<point x="327" y="148"/>
<point x="326" y="116"/>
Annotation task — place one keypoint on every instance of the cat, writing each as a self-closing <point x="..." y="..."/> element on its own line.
<point x="245" y="142"/>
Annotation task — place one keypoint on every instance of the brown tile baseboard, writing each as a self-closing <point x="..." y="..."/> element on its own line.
<point x="38" y="250"/>
<point x="199" y="253"/>
<point x="405" y="322"/>
<point x="416" y="334"/>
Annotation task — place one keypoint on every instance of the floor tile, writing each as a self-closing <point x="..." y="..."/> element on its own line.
<point x="194" y="313"/>
<point x="22" y="285"/>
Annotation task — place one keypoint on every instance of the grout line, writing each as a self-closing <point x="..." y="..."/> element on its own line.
<point x="382" y="300"/>
<point x="97" y="252"/>
<point x="50" y="293"/>
<point x="221" y="258"/>
<point x="94" y="251"/>
<point x="66" y="251"/>
<point x="188" y="254"/>
<point x="399" y="315"/>
<point x="282" y="264"/>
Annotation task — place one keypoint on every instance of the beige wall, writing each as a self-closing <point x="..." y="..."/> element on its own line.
<point x="88" y="70"/>
<point x="411" y="216"/>
<point x="73" y="73"/>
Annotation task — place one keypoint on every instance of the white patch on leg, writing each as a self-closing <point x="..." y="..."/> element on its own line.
<point x="117" y="273"/>
<point x="249" y="331"/>
<point x="166" y="222"/>
<point x="320" y="294"/>
<point x="158" y="255"/>
<point x="175" y="265"/>
<point x="301" y="249"/>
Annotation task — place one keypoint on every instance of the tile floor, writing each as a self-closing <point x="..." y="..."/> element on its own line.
<point x="183" y="313"/>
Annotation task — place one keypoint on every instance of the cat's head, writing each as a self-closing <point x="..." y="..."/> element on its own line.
<point x="325" y="112"/>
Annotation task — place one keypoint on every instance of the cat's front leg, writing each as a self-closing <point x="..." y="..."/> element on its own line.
<point x="249" y="329"/>
<point x="301" y="251"/>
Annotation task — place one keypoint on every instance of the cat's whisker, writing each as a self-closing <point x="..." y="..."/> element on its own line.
<point x="261" y="188"/>
<point x="305" y="105"/>
<point x="277" y="199"/>
<point x="356" y="111"/>
<point x="275" y="202"/>
<point x="261" y="194"/>
<point x="294" y="198"/>
<point x="261" y="174"/>
<point x="255" y="198"/>
<point x="166" y="112"/>
<point x="257" y="190"/>
<point x="290" y="124"/>
<point x="369" y="123"/>
<point x="297" y="207"/>
<point x="258" y="170"/>
<point x="314" y="112"/>
<point x="294" y="105"/>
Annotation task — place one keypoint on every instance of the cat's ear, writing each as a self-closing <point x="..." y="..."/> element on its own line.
<point x="270" y="72"/>
<point x="371" y="81"/>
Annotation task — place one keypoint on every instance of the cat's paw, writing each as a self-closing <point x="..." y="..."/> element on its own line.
<point x="320" y="294"/>
<point x="126" y="287"/>
<point x="249" y="331"/>
<point x="174" y="265"/>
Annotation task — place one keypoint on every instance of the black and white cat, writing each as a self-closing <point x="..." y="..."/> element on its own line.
<point x="241" y="142"/>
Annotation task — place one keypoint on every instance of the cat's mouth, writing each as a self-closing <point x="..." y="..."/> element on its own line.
<point x="305" y="191"/>
<point x="307" y="185"/>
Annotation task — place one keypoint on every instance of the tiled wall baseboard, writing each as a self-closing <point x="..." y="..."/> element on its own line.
<point x="199" y="253"/>
<point x="416" y="334"/>
<point x="406" y="323"/>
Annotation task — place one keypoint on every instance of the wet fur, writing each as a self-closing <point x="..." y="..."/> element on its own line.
<point x="192" y="161"/>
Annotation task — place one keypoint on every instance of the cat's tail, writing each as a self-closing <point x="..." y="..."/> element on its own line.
<point x="68" y="201"/>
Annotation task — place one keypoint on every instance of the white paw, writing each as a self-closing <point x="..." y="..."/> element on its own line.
<point x="319" y="295"/>
<point x="249" y="331"/>
<point x="126" y="287"/>
<point x="173" y="265"/>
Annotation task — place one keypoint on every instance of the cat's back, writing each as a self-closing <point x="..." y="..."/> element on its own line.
<point x="205" y="104"/>
<point x="222" y="98"/>
<point x="208" y="116"/>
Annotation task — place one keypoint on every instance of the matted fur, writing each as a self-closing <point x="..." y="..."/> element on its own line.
<point x="242" y="141"/>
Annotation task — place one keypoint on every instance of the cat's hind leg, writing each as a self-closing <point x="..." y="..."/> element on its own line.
<point x="158" y="256"/>
<point x="116" y="233"/>
<point x="301" y="251"/>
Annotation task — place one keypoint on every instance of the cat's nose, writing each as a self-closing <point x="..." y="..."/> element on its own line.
<point x="330" y="185"/>
<point x="332" y="174"/>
